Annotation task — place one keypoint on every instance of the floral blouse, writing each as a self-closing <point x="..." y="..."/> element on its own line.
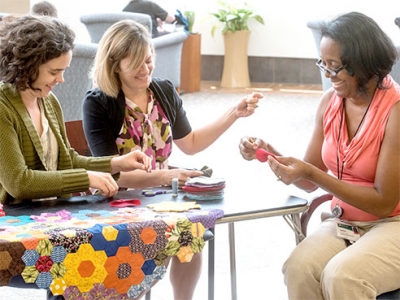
<point x="150" y="133"/>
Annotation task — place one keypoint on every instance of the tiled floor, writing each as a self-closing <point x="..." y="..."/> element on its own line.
<point x="285" y="118"/>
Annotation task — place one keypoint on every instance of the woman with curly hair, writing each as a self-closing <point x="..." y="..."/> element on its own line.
<point x="36" y="158"/>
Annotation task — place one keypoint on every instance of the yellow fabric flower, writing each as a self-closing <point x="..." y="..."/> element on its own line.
<point x="72" y="262"/>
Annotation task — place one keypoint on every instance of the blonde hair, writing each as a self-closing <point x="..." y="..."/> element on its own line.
<point x="125" y="38"/>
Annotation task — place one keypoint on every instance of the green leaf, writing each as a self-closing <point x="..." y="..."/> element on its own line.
<point x="259" y="19"/>
<point x="233" y="18"/>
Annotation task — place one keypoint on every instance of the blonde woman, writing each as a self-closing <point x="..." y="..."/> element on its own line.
<point x="131" y="110"/>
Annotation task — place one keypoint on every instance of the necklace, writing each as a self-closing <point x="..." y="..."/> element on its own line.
<point x="337" y="211"/>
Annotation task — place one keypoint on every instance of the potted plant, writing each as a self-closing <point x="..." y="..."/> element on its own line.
<point x="190" y="17"/>
<point x="235" y="30"/>
<point x="234" y="18"/>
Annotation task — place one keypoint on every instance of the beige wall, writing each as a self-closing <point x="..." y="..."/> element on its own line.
<point x="285" y="33"/>
<point x="15" y="6"/>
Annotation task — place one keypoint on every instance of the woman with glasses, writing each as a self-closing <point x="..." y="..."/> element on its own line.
<point x="353" y="154"/>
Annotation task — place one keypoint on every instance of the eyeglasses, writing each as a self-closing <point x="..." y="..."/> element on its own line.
<point x="332" y="72"/>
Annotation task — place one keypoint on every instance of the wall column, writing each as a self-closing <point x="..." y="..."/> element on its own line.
<point x="15" y="6"/>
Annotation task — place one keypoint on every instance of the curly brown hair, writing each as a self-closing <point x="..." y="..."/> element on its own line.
<point x="28" y="42"/>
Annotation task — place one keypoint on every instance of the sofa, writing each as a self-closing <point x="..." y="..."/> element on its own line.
<point x="168" y="47"/>
<point x="77" y="81"/>
<point x="315" y="26"/>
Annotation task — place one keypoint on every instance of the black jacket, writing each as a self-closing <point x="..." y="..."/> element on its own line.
<point x="103" y="116"/>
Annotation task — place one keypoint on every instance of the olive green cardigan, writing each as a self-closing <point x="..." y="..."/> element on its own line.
<point x="22" y="169"/>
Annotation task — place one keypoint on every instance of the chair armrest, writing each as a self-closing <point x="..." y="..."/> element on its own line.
<point x="312" y="206"/>
<point x="316" y="24"/>
<point x="97" y="23"/>
<point x="168" y="49"/>
<point x="397" y="21"/>
<point x="177" y="37"/>
<point x="395" y="72"/>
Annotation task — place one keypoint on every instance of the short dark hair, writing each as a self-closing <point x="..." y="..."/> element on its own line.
<point x="45" y="8"/>
<point x="366" y="50"/>
<point x="28" y="42"/>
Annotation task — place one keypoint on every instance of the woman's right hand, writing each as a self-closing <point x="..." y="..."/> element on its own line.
<point x="182" y="174"/>
<point x="103" y="182"/>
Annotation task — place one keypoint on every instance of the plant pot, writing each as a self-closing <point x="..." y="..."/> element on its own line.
<point x="236" y="67"/>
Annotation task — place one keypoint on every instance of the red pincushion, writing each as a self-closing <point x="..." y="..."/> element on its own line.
<point x="262" y="154"/>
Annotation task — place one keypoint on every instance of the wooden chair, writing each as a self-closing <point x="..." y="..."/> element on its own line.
<point x="305" y="218"/>
<point x="77" y="138"/>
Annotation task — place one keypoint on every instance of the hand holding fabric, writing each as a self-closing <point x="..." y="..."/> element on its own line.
<point x="104" y="182"/>
<point x="182" y="174"/>
<point x="131" y="161"/>
<point x="249" y="145"/>
<point x="289" y="169"/>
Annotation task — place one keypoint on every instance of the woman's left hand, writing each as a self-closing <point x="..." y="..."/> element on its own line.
<point x="131" y="161"/>
<point x="248" y="104"/>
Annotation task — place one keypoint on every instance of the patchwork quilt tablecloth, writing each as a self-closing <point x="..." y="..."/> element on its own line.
<point x="99" y="254"/>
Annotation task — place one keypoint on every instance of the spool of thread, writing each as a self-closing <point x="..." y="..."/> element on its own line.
<point x="175" y="187"/>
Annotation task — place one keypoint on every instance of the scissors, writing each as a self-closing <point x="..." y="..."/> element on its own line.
<point x="151" y="193"/>
<point x="125" y="202"/>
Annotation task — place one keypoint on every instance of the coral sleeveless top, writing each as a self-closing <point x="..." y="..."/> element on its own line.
<point x="360" y="155"/>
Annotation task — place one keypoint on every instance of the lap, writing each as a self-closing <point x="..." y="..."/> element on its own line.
<point x="374" y="257"/>
<point x="319" y="247"/>
<point x="380" y="243"/>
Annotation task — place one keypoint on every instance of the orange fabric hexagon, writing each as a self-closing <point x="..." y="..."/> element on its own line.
<point x="148" y="235"/>
<point x="185" y="254"/>
<point x="124" y="270"/>
<point x="86" y="268"/>
<point x="30" y="243"/>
